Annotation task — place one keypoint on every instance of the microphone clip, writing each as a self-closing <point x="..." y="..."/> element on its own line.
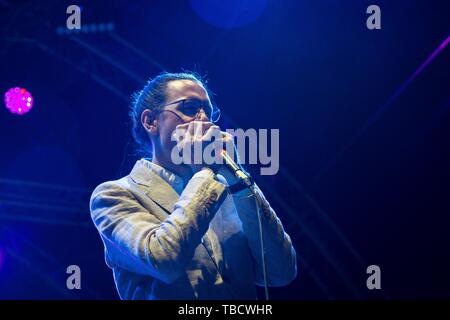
<point x="245" y="181"/>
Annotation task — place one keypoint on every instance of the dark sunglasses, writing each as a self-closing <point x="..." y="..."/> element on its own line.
<point x="191" y="107"/>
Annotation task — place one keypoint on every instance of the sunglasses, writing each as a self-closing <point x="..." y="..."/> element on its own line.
<point x="189" y="109"/>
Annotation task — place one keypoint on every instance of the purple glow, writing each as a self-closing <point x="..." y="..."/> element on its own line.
<point x="386" y="105"/>
<point x="430" y="58"/>
<point x="445" y="43"/>
<point x="18" y="100"/>
<point x="416" y="73"/>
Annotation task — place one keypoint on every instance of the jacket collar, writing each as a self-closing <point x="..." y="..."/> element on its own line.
<point x="159" y="183"/>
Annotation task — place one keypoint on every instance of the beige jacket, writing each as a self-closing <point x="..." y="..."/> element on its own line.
<point x="166" y="241"/>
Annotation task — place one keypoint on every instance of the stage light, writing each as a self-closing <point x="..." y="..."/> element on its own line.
<point x="87" y="28"/>
<point x="18" y="100"/>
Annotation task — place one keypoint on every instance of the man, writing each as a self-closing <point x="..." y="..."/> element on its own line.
<point x="176" y="231"/>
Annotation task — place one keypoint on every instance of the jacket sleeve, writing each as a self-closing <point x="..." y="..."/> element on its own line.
<point x="139" y="242"/>
<point x="280" y="255"/>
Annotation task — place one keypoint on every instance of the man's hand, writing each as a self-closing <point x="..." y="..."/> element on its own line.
<point x="194" y="137"/>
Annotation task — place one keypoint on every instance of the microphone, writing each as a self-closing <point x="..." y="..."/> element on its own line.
<point x="231" y="165"/>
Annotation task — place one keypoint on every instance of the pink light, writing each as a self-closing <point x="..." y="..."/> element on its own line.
<point x="18" y="100"/>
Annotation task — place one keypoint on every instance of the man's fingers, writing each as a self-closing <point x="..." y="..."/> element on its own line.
<point x="200" y="131"/>
<point x="226" y="136"/>
<point x="182" y="126"/>
<point x="197" y="128"/>
<point x="213" y="131"/>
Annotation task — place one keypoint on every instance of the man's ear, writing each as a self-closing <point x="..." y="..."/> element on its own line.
<point x="150" y="125"/>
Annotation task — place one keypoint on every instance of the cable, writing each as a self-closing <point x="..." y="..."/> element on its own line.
<point x="261" y="238"/>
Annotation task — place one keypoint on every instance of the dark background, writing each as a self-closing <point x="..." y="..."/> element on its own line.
<point x="364" y="156"/>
